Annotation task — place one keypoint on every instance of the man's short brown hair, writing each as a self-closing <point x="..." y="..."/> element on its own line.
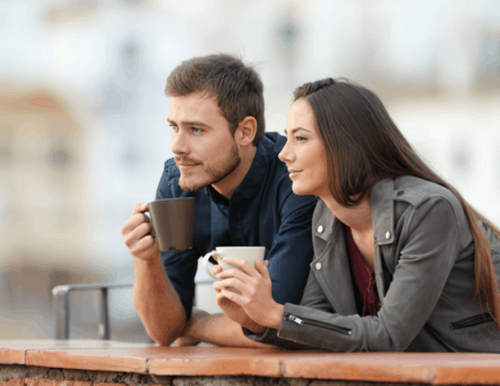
<point x="238" y="87"/>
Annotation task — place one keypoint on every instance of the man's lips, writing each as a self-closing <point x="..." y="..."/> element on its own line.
<point x="186" y="163"/>
<point x="185" y="167"/>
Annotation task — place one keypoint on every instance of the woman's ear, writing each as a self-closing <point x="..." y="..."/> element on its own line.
<point x="245" y="133"/>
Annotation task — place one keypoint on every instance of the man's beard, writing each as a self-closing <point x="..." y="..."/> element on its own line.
<point x="214" y="173"/>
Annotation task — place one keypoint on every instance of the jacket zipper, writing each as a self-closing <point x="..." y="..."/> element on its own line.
<point x="471" y="322"/>
<point x="316" y="323"/>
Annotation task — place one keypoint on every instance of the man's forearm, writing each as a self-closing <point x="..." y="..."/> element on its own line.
<point x="219" y="330"/>
<point x="157" y="302"/>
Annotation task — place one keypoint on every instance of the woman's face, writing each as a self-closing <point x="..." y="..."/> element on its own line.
<point x="304" y="152"/>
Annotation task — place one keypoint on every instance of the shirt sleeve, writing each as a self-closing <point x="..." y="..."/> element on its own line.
<point x="292" y="251"/>
<point x="181" y="269"/>
<point x="289" y="261"/>
<point x="180" y="266"/>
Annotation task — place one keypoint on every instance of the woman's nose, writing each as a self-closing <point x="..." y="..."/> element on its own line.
<point x="284" y="154"/>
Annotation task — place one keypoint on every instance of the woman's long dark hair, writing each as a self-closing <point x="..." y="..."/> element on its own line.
<point x="364" y="146"/>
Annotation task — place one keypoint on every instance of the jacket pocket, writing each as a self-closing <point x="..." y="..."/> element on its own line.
<point x="316" y="323"/>
<point x="472" y="321"/>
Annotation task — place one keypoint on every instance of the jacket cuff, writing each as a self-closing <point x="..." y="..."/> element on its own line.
<point x="316" y="328"/>
<point x="273" y="337"/>
<point x="269" y="336"/>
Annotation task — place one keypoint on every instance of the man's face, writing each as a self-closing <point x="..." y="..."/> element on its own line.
<point x="204" y="148"/>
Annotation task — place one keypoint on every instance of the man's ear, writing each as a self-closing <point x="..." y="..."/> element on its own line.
<point x="245" y="133"/>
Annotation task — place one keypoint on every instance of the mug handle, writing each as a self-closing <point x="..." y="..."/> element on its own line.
<point x="205" y="263"/>
<point x="148" y="216"/>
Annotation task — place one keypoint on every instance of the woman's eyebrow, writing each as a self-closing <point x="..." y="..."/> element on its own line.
<point x="298" y="129"/>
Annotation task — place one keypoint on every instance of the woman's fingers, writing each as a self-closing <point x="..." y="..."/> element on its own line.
<point x="216" y="269"/>
<point x="233" y="272"/>
<point x="245" y="266"/>
<point x="262" y="269"/>
<point x="230" y="283"/>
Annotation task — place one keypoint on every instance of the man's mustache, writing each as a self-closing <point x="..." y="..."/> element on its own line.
<point x="187" y="160"/>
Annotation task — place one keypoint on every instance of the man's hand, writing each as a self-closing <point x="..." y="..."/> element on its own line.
<point x="135" y="234"/>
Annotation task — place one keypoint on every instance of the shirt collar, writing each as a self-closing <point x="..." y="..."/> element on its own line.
<point x="255" y="176"/>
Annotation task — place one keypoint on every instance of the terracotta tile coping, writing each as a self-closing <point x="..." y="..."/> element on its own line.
<point x="433" y="368"/>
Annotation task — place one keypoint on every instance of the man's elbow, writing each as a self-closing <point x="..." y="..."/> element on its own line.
<point x="165" y="334"/>
<point x="163" y="328"/>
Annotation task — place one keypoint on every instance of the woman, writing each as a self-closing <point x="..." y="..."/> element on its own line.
<point x="402" y="262"/>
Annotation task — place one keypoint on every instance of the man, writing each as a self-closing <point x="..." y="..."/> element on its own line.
<point x="224" y="158"/>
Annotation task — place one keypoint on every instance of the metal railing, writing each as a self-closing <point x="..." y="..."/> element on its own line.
<point x="62" y="307"/>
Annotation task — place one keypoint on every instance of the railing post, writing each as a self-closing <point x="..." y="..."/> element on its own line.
<point x="61" y="305"/>
<point x="104" y="332"/>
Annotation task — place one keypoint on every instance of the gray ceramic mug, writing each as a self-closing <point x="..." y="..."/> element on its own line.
<point x="172" y="222"/>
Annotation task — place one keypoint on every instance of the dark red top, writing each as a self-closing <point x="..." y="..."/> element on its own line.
<point x="365" y="290"/>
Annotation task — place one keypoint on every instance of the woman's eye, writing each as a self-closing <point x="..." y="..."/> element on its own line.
<point x="300" y="139"/>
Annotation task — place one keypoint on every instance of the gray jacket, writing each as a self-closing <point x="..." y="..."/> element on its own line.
<point x="424" y="270"/>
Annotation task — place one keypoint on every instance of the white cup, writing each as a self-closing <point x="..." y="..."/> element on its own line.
<point x="249" y="254"/>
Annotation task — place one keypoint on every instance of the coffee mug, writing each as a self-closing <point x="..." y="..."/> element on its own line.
<point x="172" y="222"/>
<point x="249" y="254"/>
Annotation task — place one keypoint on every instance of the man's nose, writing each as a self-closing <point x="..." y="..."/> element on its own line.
<point x="180" y="143"/>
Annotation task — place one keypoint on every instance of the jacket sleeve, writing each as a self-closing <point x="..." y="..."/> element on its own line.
<point x="427" y="256"/>
<point x="315" y="298"/>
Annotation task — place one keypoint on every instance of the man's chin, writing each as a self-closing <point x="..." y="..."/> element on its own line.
<point x="192" y="186"/>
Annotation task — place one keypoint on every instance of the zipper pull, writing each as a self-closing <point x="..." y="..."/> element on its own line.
<point x="294" y="319"/>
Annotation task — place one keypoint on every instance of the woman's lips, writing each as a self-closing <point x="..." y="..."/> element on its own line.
<point x="294" y="172"/>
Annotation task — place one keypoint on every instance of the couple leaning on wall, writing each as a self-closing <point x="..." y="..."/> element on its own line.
<point x="367" y="249"/>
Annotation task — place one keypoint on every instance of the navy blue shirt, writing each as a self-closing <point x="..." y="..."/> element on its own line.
<point x="262" y="211"/>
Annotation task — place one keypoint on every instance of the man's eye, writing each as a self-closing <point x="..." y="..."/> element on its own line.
<point x="196" y="130"/>
<point x="174" y="127"/>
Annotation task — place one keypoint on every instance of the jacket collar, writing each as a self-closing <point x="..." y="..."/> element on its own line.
<point x="333" y="258"/>
<point x="327" y="222"/>
<point x="382" y="204"/>
<point x="381" y="201"/>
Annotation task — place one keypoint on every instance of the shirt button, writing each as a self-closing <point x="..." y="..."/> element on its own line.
<point x="318" y="266"/>
<point x="388" y="235"/>
<point x="320" y="229"/>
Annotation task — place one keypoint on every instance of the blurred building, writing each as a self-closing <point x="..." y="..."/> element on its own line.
<point x="83" y="133"/>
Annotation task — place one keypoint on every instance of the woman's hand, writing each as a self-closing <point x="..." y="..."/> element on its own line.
<point x="250" y="288"/>
<point x="233" y="310"/>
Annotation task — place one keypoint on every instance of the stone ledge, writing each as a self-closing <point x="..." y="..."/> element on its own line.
<point x="119" y="363"/>
<point x="57" y="377"/>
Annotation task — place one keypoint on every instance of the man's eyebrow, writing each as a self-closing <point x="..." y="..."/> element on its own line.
<point x="189" y="123"/>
